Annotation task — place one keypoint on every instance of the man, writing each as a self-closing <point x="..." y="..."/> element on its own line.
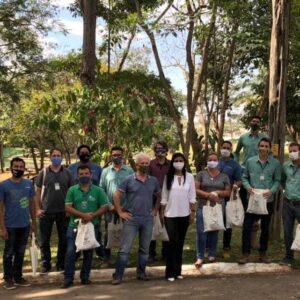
<point x="291" y="203"/>
<point x="159" y="168"/>
<point x="139" y="189"/>
<point x="261" y="172"/>
<point x="16" y="209"/>
<point x="232" y="169"/>
<point x="52" y="185"/>
<point x="111" y="178"/>
<point x="87" y="202"/>
<point x="84" y="154"/>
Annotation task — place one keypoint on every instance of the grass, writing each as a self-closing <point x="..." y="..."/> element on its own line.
<point x="275" y="251"/>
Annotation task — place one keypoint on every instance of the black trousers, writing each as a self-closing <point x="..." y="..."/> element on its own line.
<point x="249" y="220"/>
<point x="176" y="228"/>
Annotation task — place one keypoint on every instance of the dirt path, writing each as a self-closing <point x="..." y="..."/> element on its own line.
<point x="271" y="286"/>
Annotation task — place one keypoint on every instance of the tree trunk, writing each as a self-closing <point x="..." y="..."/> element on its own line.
<point x="277" y="90"/>
<point x="2" y="167"/>
<point x="36" y="167"/>
<point x="88" y="63"/>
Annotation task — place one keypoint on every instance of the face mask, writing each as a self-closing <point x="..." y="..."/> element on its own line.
<point x="17" y="173"/>
<point x="212" y="164"/>
<point x="143" y="169"/>
<point x="254" y="127"/>
<point x="117" y="160"/>
<point x="293" y="155"/>
<point x="225" y="153"/>
<point x="178" y="165"/>
<point x="84" y="179"/>
<point x="160" y="152"/>
<point x="85" y="157"/>
<point x="56" y="161"/>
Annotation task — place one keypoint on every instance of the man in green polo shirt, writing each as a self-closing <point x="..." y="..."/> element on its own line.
<point x="87" y="202"/>
<point x="261" y="172"/>
<point x="291" y="204"/>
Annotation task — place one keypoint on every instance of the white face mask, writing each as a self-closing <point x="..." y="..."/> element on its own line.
<point x="178" y="165"/>
<point x="293" y="155"/>
<point x="225" y="153"/>
<point x="212" y="164"/>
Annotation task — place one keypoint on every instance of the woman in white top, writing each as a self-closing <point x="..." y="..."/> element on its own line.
<point x="178" y="198"/>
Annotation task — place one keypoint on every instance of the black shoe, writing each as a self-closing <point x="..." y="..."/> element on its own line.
<point x="22" y="282"/>
<point x="85" y="281"/>
<point x="116" y="281"/>
<point x="9" y="285"/>
<point x="143" y="278"/>
<point x="66" y="284"/>
<point x="286" y="261"/>
<point x="45" y="270"/>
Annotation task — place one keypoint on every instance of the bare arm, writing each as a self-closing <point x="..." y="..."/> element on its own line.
<point x="38" y="203"/>
<point x="3" y="231"/>
<point x="32" y="210"/>
<point x="117" y="202"/>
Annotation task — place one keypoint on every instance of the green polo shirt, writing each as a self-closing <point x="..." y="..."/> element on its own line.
<point x="112" y="178"/>
<point x="85" y="202"/>
<point x="249" y="143"/>
<point x="259" y="176"/>
<point x="291" y="181"/>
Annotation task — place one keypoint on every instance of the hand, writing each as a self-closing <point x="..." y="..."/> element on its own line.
<point x="4" y="234"/>
<point x="162" y="218"/>
<point x="250" y="190"/>
<point x="235" y="188"/>
<point x="268" y="194"/>
<point x="40" y="213"/>
<point x="214" y="197"/>
<point x="192" y="218"/>
<point x="111" y="208"/>
<point x="125" y="215"/>
<point x="154" y="212"/>
<point x="87" y="217"/>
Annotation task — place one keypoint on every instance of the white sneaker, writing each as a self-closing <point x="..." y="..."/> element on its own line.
<point x="179" y="277"/>
<point x="171" y="279"/>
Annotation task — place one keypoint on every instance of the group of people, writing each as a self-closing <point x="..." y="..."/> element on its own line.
<point x="158" y="187"/>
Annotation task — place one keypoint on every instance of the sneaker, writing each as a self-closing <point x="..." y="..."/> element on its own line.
<point x="143" y="278"/>
<point x="66" y="284"/>
<point x="244" y="259"/>
<point x="263" y="258"/>
<point x="116" y="281"/>
<point x="45" y="270"/>
<point x="171" y="279"/>
<point x="22" y="282"/>
<point x="179" y="277"/>
<point x="286" y="261"/>
<point x="9" y="285"/>
<point x="85" y="281"/>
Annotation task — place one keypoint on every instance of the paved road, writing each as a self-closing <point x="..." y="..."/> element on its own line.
<point x="242" y="287"/>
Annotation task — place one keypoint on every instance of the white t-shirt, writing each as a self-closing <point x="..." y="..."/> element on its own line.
<point x="177" y="200"/>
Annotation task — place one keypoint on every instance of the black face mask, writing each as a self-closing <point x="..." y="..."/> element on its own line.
<point x="17" y="173"/>
<point x="254" y="127"/>
<point x="85" y="157"/>
<point x="117" y="160"/>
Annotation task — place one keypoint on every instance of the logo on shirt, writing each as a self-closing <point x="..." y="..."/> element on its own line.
<point x="91" y="198"/>
<point x="24" y="202"/>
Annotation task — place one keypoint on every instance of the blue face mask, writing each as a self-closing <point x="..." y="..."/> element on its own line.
<point x="56" y="161"/>
<point x="84" y="179"/>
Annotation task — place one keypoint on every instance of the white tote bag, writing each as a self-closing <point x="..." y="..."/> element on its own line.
<point x="114" y="230"/>
<point x="34" y="255"/>
<point x="234" y="211"/>
<point x="296" y="242"/>
<point x="85" y="238"/>
<point x="213" y="217"/>
<point x="257" y="203"/>
<point x="159" y="232"/>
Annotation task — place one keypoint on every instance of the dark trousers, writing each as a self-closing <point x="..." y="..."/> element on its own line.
<point x="46" y="224"/>
<point x="164" y="249"/>
<point x="13" y="255"/>
<point x="71" y="257"/>
<point x="290" y="213"/>
<point x="244" y="197"/>
<point x="250" y="219"/>
<point x="176" y="228"/>
<point x="228" y="232"/>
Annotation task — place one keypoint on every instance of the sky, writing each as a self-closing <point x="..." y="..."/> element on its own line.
<point x="73" y="41"/>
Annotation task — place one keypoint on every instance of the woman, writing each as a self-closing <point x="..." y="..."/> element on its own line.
<point x="178" y="198"/>
<point x="214" y="186"/>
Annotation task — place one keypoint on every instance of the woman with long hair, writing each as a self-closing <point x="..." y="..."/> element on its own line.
<point x="213" y="186"/>
<point x="178" y="198"/>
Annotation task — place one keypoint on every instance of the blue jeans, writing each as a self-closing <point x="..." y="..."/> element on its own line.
<point x="71" y="257"/>
<point x="290" y="213"/>
<point x="14" y="249"/>
<point x="129" y="232"/>
<point x="205" y="239"/>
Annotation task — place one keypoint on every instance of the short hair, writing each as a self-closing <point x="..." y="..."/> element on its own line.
<point x="83" y="167"/>
<point x="256" y="117"/>
<point x="56" y="149"/>
<point x="226" y="142"/>
<point x="163" y="143"/>
<point x="294" y="145"/>
<point x="140" y="156"/>
<point x="83" y="146"/>
<point x="264" y="139"/>
<point x="116" y="148"/>
<point x="17" y="159"/>
<point x="212" y="153"/>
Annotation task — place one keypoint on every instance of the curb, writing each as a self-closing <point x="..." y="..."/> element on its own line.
<point x="219" y="268"/>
